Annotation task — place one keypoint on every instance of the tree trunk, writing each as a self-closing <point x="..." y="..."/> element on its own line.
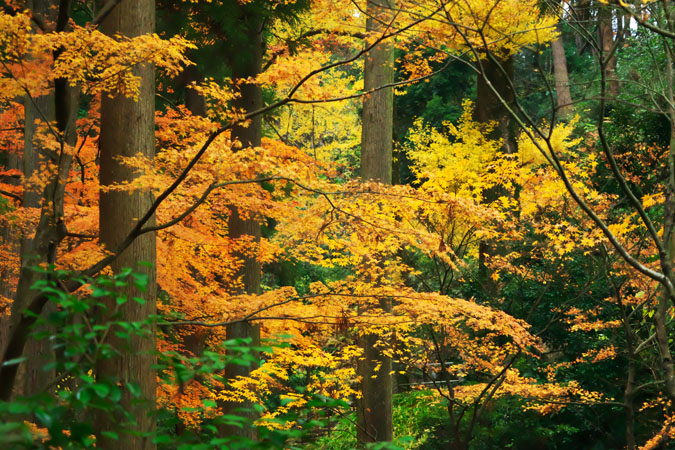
<point x="194" y="101"/>
<point x="489" y="106"/>
<point x="250" y="271"/>
<point x="40" y="108"/>
<point x="581" y="15"/>
<point x="378" y="107"/>
<point x="606" y="37"/>
<point x="497" y="75"/>
<point x="127" y="128"/>
<point x="57" y="106"/>
<point x="562" y="81"/>
<point x="374" y="408"/>
<point x="41" y="247"/>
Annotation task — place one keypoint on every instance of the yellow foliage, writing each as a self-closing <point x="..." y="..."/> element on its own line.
<point x="456" y="160"/>
<point x="88" y="58"/>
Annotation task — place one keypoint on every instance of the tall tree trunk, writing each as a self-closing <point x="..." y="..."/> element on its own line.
<point x="562" y="80"/>
<point x="11" y="245"/>
<point x="581" y="17"/>
<point x="661" y="314"/>
<point x="194" y="101"/>
<point x="56" y="106"/>
<point x="606" y="37"/>
<point x="41" y="247"/>
<point x="127" y="129"/>
<point x="42" y="109"/>
<point x="497" y="75"/>
<point x="374" y="408"/>
<point x="250" y="271"/>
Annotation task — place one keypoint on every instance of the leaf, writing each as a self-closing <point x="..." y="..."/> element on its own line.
<point x="84" y="395"/>
<point x="101" y="389"/>
<point x="110" y="435"/>
<point x="14" y="361"/>
<point x="134" y="388"/>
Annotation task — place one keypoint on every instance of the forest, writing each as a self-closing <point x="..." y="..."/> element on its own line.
<point x="337" y="224"/>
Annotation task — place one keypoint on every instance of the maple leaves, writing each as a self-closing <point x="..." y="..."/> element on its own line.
<point x="86" y="58"/>
<point x="363" y="232"/>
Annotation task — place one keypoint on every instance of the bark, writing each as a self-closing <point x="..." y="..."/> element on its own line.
<point x="489" y="107"/>
<point x="606" y="37"/>
<point x="41" y="247"/>
<point x="250" y="275"/>
<point x="127" y="128"/>
<point x="581" y="14"/>
<point x="378" y="109"/>
<point x="660" y="319"/>
<point x="629" y="403"/>
<point x="8" y="236"/>
<point x="562" y="80"/>
<point x="37" y="352"/>
<point x="194" y="101"/>
<point x="374" y="408"/>
<point x="243" y="225"/>
<point x="41" y="108"/>
<point x="496" y="76"/>
<point x="57" y="106"/>
<point x="661" y="314"/>
<point x="631" y="356"/>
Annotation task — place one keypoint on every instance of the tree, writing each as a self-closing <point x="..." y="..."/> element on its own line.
<point x="127" y="129"/>
<point x="394" y="265"/>
<point x="562" y="82"/>
<point x="374" y="408"/>
<point x="244" y="224"/>
<point x="39" y="249"/>
<point x="62" y="68"/>
<point x="658" y="269"/>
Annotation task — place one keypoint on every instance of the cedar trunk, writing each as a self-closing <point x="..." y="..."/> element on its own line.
<point x="242" y="224"/>
<point x="494" y="82"/>
<point x="374" y="408"/>
<point x="562" y="80"/>
<point x="41" y="247"/>
<point x="127" y="129"/>
<point x="606" y="36"/>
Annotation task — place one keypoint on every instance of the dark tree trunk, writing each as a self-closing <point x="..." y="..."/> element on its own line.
<point x="497" y="75"/>
<point x="127" y="128"/>
<point x="581" y="16"/>
<point x="250" y="271"/>
<point x="489" y="106"/>
<point x="194" y="101"/>
<point x="41" y="247"/>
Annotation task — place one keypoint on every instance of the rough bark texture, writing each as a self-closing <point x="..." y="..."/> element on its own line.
<point x="38" y="352"/>
<point x="194" y="101"/>
<point x="40" y="108"/>
<point x="496" y="76"/>
<point x="238" y="224"/>
<point x="41" y="247"/>
<point x="489" y="106"/>
<point x="661" y="315"/>
<point x="127" y="128"/>
<point x="581" y="15"/>
<point x="562" y="80"/>
<point x="8" y="236"/>
<point x="378" y="109"/>
<point x="606" y="36"/>
<point x="374" y="409"/>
